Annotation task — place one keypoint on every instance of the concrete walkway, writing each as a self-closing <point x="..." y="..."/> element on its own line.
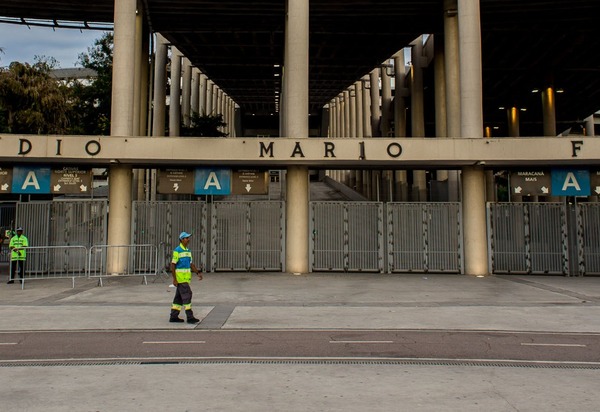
<point x="314" y="301"/>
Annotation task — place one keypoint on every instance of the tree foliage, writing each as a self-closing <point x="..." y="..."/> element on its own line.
<point x="204" y="125"/>
<point x="92" y="97"/>
<point x="32" y="101"/>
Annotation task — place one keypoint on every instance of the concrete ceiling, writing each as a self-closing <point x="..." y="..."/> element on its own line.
<point x="237" y="43"/>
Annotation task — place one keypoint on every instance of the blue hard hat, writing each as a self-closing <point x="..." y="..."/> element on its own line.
<point x="184" y="235"/>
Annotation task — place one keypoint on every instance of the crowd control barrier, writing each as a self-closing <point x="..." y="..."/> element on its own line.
<point x="123" y="260"/>
<point x="54" y="262"/>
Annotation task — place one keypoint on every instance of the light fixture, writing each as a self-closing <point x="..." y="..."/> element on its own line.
<point x="535" y="91"/>
<point x="523" y="109"/>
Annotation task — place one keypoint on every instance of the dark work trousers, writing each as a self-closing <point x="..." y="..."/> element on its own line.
<point x="13" y="269"/>
<point x="183" y="297"/>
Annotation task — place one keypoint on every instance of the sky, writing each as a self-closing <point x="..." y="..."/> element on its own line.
<point x="21" y="43"/>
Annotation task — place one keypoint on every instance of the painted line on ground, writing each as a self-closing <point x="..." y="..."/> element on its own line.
<point x="556" y="344"/>
<point x="170" y="342"/>
<point x="361" y="341"/>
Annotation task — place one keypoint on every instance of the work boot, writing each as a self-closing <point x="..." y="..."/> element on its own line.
<point x="190" y="317"/>
<point x="175" y="316"/>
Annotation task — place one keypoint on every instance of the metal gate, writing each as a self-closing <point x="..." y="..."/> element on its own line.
<point x="61" y="223"/>
<point x="160" y="223"/>
<point x="8" y="211"/>
<point x="424" y="237"/>
<point x="588" y="236"/>
<point x="247" y="235"/>
<point x="528" y="238"/>
<point x="346" y="236"/>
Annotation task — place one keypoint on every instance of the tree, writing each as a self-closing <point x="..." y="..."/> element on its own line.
<point x="31" y="101"/>
<point x="92" y="98"/>
<point x="204" y="125"/>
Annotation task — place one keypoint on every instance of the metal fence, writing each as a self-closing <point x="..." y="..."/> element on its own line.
<point x="54" y="262"/>
<point x="64" y="222"/>
<point x="424" y="237"/>
<point x="7" y="222"/>
<point x="160" y="223"/>
<point x="124" y="260"/>
<point x="247" y="236"/>
<point x="529" y="238"/>
<point x="346" y="236"/>
<point x="588" y="236"/>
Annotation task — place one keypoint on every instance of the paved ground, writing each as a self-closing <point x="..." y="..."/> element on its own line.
<point x="316" y="301"/>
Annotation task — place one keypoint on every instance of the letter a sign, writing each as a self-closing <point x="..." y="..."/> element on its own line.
<point x="31" y="180"/>
<point x="570" y="182"/>
<point x="212" y="182"/>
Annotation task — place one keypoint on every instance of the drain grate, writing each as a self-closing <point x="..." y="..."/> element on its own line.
<point x="400" y="362"/>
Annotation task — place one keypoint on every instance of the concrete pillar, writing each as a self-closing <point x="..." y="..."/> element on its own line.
<point x="347" y="114"/>
<point x="452" y="69"/>
<point x="375" y="110"/>
<point x="590" y="126"/>
<point x="512" y="117"/>
<point x="195" y="99"/>
<point x="400" y="94"/>
<point x="549" y="111"/>
<point x="203" y="93"/>
<point x="358" y="91"/>
<point x="186" y="90"/>
<point x="175" y="94"/>
<point x="160" y="86"/>
<point x="473" y="179"/>
<point x="440" y="98"/>
<point x="296" y="115"/>
<point x="417" y="110"/>
<point x="210" y="88"/>
<point x="119" y="219"/>
<point x="386" y="101"/>
<point x="367" y="131"/>
<point x="215" y="100"/>
<point x="142" y="117"/>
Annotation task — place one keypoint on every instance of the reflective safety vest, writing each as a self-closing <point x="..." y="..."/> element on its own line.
<point x="18" y="242"/>
<point x="182" y="259"/>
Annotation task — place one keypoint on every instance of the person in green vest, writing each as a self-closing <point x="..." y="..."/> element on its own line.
<point x="18" y="255"/>
<point x="182" y="267"/>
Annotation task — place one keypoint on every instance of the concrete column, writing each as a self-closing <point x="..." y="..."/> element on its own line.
<point x="386" y="101"/>
<point x="296" y="114"/>
<point x="419" y="185"/>
<point x="142" y="105"/>
<point x="590" y="126"/>
<point x="347" y="114"/>
<point x="210" y="88"/>
<point x="358" y="88"/>
<point x="339" y="119"/>
<point x="195" y="102"/>
<point x="400" y="94"/>
<point x="375" y="110"/>
<point x="186" y="90"/>
<point x="473" y="179"/>
<point x="549" y="111"/>
<point x="119" y="219"/>
<point x="367" y="131"/>
<point x="160" y="86"/>
<point x="175" y="94"/>
<point x="215" y="100"/>
<point x="203" y="92"/>
<point x="332" y="112"/>
<point x="452" y="69"/>
<point x="512" y="117"/>
<point x="440" y="98"/>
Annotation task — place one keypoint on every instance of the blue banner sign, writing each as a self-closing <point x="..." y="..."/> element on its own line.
<point x="570" y="182"/>
<point x="212" y="181"/>
<point x="31" y="180"/>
